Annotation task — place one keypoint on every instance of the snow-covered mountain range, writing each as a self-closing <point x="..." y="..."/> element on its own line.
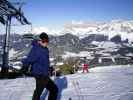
<point x="84" y="28"/>
<point x="112" y="39"/>
<point x="112" y="28"/>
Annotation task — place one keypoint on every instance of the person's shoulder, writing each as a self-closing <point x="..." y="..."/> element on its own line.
<point x="45" y="49"/>
<point x="34" y="42"/>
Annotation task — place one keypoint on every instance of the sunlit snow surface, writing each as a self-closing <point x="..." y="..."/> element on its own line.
<point x="104" y="83"/>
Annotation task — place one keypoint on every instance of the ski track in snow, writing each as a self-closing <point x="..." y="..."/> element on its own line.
<point x="104" y="83"/>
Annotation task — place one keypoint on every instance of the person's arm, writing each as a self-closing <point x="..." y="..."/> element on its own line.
<point x="31" y="58"/>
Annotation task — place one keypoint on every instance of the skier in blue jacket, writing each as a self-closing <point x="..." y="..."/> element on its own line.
<point x="38" y="58"/>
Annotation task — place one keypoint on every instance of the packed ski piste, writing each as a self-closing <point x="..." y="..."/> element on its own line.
<point x="102" y="83"/>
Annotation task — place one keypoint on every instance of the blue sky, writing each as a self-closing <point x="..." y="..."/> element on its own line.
<point x="57" y="12"/>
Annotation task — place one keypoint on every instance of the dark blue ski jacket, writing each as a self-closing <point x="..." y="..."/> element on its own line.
<point x="38" y="58"/>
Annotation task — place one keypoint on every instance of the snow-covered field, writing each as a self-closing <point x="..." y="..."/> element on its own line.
<point x="103" y="83"/>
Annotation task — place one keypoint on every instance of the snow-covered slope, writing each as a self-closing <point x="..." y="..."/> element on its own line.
<point x="103" y="83"/>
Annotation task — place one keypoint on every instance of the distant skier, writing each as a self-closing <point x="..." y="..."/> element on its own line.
<point x="38" y="58"/>
<point x="85" y="67"/>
